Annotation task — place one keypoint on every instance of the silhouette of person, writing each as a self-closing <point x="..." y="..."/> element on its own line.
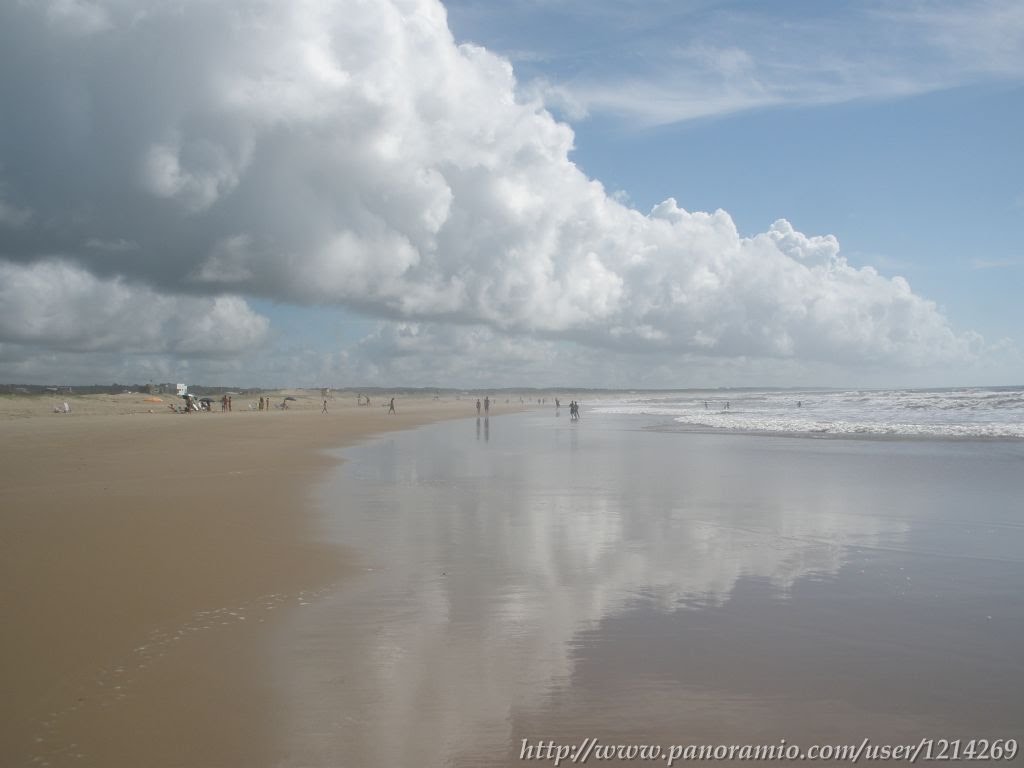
<point x="391" y="408"/>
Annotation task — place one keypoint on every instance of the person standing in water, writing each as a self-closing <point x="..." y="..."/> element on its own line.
<point x="487" y="406"/>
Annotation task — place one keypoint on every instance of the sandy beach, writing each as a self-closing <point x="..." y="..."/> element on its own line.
<point x="298" y="590"/>
<point x="137" y="550"/>
<point x="741" y="281"/>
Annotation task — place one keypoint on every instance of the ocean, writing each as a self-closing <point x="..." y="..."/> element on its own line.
<point x="980" y="412"/>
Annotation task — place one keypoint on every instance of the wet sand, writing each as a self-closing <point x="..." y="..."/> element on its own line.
<point x="144" y="558"/>
<point x="532" y="579"/>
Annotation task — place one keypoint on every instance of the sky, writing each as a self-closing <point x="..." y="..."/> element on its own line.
<point x="526" y="193"/>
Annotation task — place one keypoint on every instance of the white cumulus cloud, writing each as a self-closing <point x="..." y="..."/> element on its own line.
<point x="64" y="307"/>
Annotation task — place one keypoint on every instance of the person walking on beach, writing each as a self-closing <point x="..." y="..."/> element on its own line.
<point x="325" y="407"/>
<point x="229" y="403"/>
<point x="478" y="406"/>
<point x="487" y="406"/>
<point x="391" y="408"/>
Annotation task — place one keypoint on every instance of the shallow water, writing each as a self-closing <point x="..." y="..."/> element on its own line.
<point x="531" y="578"/>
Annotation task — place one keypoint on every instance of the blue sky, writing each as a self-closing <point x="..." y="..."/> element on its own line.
<point x="387" y="192"/>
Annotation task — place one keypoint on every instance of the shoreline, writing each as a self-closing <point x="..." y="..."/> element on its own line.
<point x="138" y="552"/>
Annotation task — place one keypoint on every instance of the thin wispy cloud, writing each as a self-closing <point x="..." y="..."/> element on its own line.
<point x="654" y="67"/>
<point x="984" y="37"/>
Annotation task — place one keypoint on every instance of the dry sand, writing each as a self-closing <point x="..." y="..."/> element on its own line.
<point x="138" y="553"/>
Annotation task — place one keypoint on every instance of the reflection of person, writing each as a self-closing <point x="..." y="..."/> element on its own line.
<point x="391" y="408"/>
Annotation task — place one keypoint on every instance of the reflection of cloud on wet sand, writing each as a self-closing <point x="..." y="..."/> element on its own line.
<point x="482" y="587"/>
